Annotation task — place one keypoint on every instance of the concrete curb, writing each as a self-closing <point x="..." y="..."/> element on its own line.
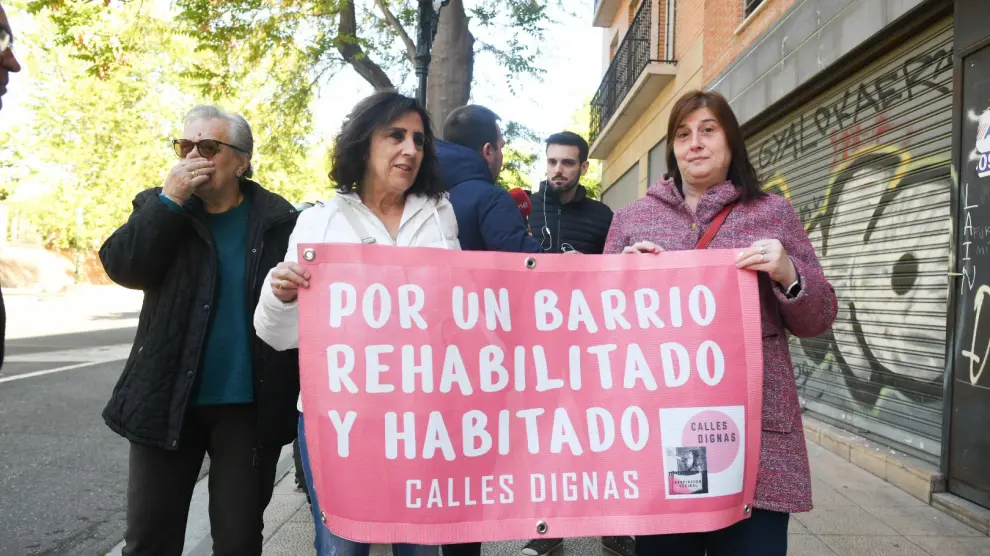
<point x="912" y="475"/>
<point x="916" y="477"/>
<point x="965" y="511"/>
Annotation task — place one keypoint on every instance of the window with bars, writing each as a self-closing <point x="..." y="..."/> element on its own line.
<point x="749" y="6"/>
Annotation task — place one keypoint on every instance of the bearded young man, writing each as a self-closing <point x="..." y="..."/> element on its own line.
<point x="564" y="219"/>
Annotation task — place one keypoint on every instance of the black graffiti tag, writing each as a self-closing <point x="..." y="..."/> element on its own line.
<point x="823" y="115"/>
<point x="793" y="138"/>
<point x="915" y="71"/>
<point x="869" y="98"/>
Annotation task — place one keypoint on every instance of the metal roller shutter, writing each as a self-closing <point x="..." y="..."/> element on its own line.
<point x="867" y="166"/>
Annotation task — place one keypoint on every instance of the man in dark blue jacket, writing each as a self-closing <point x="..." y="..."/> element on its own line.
<point x="487" y="217"/>
<point x="471" y="159"/>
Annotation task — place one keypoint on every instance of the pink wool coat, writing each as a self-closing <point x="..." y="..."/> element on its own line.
<point x="783" y="483"/>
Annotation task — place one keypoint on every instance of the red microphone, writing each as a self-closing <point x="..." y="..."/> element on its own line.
<point x="522" y="201"/>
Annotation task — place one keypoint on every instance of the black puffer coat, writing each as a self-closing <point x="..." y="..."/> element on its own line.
<point x="170" y="256"/>
<point x="582" y="223"/>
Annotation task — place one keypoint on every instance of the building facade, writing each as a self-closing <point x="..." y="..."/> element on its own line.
<point x="862" y="113"/>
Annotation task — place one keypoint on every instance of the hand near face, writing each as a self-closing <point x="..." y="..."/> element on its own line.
<point x="768" y="255"/>
<point x="642" y="247"/>
<point x="287" y="278"/>
<point x="186" y="176"/>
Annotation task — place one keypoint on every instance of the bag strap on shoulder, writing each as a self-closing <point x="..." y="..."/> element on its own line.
<point x="355" y="221"/>
<point x="713" y="228"/>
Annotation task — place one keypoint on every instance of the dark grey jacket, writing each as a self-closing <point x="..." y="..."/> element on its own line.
<point x="170" y="256"/>
<point x="582" y="223"/>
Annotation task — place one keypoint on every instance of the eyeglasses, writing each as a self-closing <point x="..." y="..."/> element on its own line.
<point x="208" y="148"/>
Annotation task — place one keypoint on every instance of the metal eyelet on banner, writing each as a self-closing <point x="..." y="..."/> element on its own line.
<point x="542" y="527"/>
<point x="323" y="517"/>
<point x="747" y="509"/>
<point x="309" y="254"/>
<point x="531" y="264"/>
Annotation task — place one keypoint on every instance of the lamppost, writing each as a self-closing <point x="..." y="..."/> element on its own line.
<point x="429" y="17"/>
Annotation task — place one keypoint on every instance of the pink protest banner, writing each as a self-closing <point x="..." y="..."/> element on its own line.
<point x="453" y="396"/>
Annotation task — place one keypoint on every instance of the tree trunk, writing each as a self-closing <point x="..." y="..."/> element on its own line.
<point x="452" y="66"/>
<point x="350" y="49"/>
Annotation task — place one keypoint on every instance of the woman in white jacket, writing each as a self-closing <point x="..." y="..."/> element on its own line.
<point x="389" y="193"/>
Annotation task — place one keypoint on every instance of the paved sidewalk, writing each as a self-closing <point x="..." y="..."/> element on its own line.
<point x="855" y="513"/>
<point x="83" y="308"/>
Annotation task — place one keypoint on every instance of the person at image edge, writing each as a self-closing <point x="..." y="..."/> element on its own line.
<point x="198" y="380"/>
<point x="8" y="65"/>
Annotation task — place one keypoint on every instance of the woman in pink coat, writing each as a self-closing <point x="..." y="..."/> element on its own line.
<point x="710" y="170"/>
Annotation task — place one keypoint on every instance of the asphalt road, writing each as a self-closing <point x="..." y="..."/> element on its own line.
<point x="62" y="471"/>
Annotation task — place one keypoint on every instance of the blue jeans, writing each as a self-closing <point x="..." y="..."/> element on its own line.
<point x="327" y="543"/>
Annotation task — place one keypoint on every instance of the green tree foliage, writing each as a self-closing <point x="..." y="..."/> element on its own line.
<point x="109" y="88"/>
<point x="517" y="166"/>
<point x="100" y="122"/>
<point x="319" y="38"/>
<point x="111" y="80"/>
<point x="376" y="38"/>
<point x="519" y="157"/>
<point x="581" y="124"/>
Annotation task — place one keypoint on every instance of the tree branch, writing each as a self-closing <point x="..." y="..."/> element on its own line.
<point x="399" y="30"/>
<point x="353" y="54"/>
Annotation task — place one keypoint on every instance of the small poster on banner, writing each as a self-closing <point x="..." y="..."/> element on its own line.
<point x="690" y="473"/>
<point x="704" y="450"/>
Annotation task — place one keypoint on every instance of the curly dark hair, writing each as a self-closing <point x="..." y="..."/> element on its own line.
<point x="353" y="144"/>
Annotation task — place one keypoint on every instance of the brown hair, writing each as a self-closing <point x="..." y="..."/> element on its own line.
<point x="741" y="171"/>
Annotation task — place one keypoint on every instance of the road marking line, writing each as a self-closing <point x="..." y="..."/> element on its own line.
<point x="98" y="353"/>
<point x="57" y="370"/>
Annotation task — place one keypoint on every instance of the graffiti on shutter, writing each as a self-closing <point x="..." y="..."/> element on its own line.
<point x="867" y="167"/>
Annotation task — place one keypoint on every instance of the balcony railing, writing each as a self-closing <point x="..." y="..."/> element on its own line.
<point x="634" y="54"/>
